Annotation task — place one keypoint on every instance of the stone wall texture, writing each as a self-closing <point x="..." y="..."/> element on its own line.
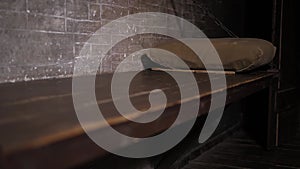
<point x="41" y="38"/>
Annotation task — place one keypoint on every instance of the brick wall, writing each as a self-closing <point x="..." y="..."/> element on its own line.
<point x="41" y="39"/>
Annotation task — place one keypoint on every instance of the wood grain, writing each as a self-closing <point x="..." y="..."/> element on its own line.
<point x="38" y="122"/>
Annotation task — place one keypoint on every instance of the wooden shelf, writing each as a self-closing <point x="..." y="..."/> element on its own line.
<point x="39" y="127"/>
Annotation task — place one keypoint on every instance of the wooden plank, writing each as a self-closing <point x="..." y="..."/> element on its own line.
<point x="240" y="151"/>
<point x="37" y="117"/>
<point x="255" y="153"/>
<point x="222" y="160"/>
<point x="200" y="165"/>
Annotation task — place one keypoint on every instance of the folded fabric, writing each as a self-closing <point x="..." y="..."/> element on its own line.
<point x="237" y="54"/>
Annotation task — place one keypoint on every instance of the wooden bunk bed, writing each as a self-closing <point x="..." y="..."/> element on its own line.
<point x="39" y="127"/>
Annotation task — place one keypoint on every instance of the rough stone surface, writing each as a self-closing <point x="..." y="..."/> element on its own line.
<point x="41" y="39"/>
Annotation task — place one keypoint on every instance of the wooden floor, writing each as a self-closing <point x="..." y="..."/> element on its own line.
<point x="241" y="151"/>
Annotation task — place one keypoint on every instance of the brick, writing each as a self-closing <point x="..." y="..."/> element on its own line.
<point x="77" y="9"/>
<point x="14" y="5"/>
<point x="46" y="23"/>
<point x="134" y="48"/>
<point x="102" y="39"/>
<point x="81" y="38"/>
<point x="83" y="26"/>
<point x="47" y="7"/>
<point x="133" y="3"/>
<point x="113" y="12"/>
<point x="123" y="3"/>
<point x="96" y="39"/>
<point x="110" y="28"/>
<point x="94" y="12"/>
<point x="120" y="48"/>
<point x="12" y="20"/>
<point x="29" y="48"/>
<point x="149" y="22"/>
<point x="150" y="8"/>
<point x="96" y="50"/>
<point x="116" y="57"/>
<point x="12" y="44"/>
<point x="106" y="65"/>
<point x="35" y="45"/>
<point x="94" y="1"/>
<point x="25" y="73"/>
<point x="49" y="53"/>
<point x="133" y="10"/>
<point x="84" y="48"/>
<point x="58" y="38"/>
<point x="155" y="2"/>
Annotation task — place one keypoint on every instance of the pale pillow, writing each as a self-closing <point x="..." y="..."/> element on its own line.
<point x="238" y="54"/>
